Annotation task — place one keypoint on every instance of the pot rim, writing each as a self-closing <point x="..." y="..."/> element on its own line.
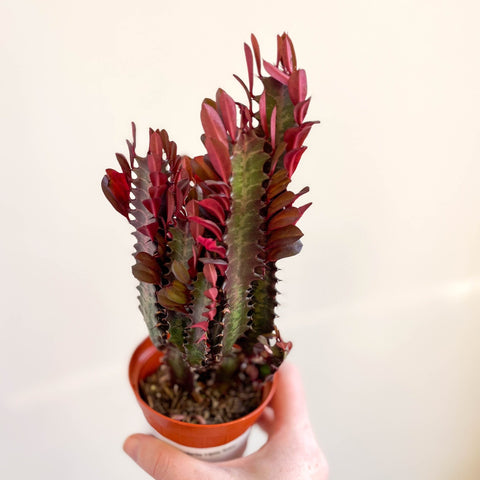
<point x="144" y="350"/>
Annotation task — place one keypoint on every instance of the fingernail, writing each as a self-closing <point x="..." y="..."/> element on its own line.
<point x="131" y="447"/>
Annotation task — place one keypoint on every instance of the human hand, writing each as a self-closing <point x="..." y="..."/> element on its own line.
<point x="291" y="451"/>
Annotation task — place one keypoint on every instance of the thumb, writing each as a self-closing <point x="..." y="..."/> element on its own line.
<point x="161" y="460"/>
<point x="289" y="403"/>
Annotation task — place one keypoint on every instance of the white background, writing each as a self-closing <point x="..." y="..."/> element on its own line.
<point x="383" y="304"/>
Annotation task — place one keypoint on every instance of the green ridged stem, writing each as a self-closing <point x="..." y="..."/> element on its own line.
<point x="196" y="350"/>
<point x="244" y="235"/>
<point x="147" y="292"/>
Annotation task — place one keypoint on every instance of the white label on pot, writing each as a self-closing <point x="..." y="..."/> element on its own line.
<point x="228" y="451"/>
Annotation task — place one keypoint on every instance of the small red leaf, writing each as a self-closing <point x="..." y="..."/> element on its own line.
<point x="276" y="73"/>
<point x="181" y="190"/>
<point x="203" y="338"/>
<point x="300" y="111"/>
<point x="303" y="208"/>
<point x="288" y="216"/>
<point x="287" y="54"/>
<point x="297" y="86"/>
<point x="291" y="51"/>
<point x="210" y="273"/>
<point x="143" y="273"/>
<point x="149" y="230"/>
<point x="201" y="169"/>
<point x="249" y="58"/>
<point x="165" y="301"/>
<point x="211" y="245"/>
<point x="223" y="201"/>
<point x="279" y="252"/>
<point x="158" y="179"/>
<point x="229" y="113"/>
<point x="256" y="51"/>
<point x="278" y="183"/>
<point x="176" y="292"/>
<point x="219" y="157"/>
<point x="295" y="136"/>
<point x="220" y="264"/>
<point x="156" y="144"/>
<point x="285" y="235"/>
<point x="208" y="224"/>
<point x="242" y="83"/>
<point x="213" y="207"/>
<point x="211" y="293"/>
<point x="180" y="272"/>
<point x="210" y="314"/>
<point x="127" y="171"/>
<point x="262" y="103"/>
<point x="170" y="199"/>
<point x="283" y="200"/>
<point x="279" y="49"/>
<point x="279" y="151"/>
<point x="118" y="182"/>
<point x="148" y="260"/>
<point x="245" y="116"/>
<point x="303" y="191"/>
<point x="291" y="159"/>
<point x="212" y="123"/>
<point x="192" y="210"/>
<point x="202" y="325"/>
<point x="155" y="162"/>
<point x="153" y="205"/>
<point x="210" y="102"/>
<point x="216" y="187"/>
<point x="273" y="125"/>
<point x="117" y="190"/>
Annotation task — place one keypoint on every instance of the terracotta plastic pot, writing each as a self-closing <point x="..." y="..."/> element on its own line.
<point x="210" y="442"/>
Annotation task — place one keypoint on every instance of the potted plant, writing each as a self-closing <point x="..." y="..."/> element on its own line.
<point x="209" y="230"/>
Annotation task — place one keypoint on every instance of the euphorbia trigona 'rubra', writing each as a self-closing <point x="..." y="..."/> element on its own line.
<point x="210" y="229"/>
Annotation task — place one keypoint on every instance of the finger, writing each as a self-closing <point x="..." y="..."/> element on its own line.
<point x="267" y="420"/>
<point x="162" y="461"/>
<point x="289" y="403"/>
